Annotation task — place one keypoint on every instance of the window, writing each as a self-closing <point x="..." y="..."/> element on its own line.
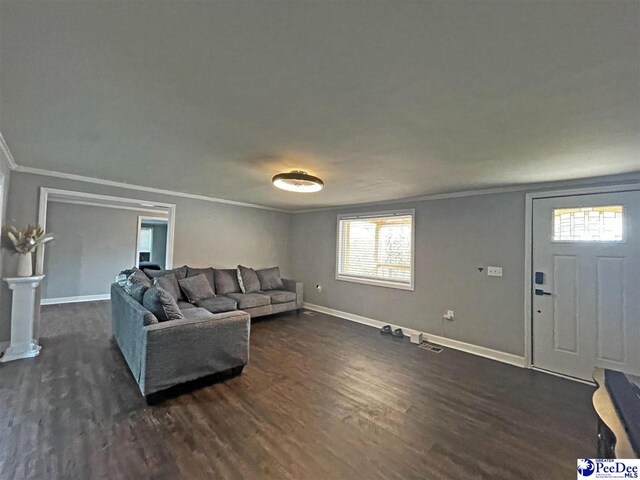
<point x="376" y="249"/>
<point x="146" y="238"/>
<point x="589" y="224"/>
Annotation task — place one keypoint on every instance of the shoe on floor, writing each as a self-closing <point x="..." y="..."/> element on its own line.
<point x="398" y="333"/>
<point x="386" y="330"/>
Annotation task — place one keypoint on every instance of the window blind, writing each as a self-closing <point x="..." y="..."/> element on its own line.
<point x="146" y="239"/>
<point x="376" y="249"/>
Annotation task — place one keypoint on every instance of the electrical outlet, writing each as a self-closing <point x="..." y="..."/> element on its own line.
<point x="319" y="288"/>
<point x="448" y="315"/>
<point x="494" y="271"/>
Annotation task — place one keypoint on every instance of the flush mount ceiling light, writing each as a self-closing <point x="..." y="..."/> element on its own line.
<point x="298" y="181"/>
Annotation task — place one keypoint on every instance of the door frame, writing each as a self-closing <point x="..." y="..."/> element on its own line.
<point x="109" y="201"/>
<point x="528" y="250"/>
<point x="169" y="254"/>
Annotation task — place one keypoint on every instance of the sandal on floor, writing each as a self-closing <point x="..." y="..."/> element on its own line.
<point x="386" y="330"/>
<point x="398" y="333"/>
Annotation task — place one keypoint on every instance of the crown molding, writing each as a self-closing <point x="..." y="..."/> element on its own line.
<point x="8" y="157"/>
<point x="621" y="179"/>
<point x="6" y="154"/>
<point x="104" y="205"/>
<point x="130" y="186"/>
<point x="612" y="179"/>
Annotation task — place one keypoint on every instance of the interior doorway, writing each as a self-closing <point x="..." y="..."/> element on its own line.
<point x="152" y="242"/>
<point x="95" y="239"/>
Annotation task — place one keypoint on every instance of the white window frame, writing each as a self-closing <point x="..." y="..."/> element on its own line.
<point x="370" y="281"/>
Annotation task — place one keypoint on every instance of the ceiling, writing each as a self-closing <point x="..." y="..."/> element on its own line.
<point x="383" y="100"/>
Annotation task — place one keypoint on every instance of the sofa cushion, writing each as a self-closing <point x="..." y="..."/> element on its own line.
<point x="180" y="272"/>
<point x="161" y="304"/>
<point x="197" y="314"/>
<point x="207" y="272"/>
<point x="226" y="281"/>
<point x="248" y="279"/>
<point x="196" y="288"/>
<point x="218" y="304"/>
<point x="183" y="305"/>
<point x="170" y="284"/>
<point x="270" y="279"/>
<point x="249" y="300"/>
<point x="280" y="296"/>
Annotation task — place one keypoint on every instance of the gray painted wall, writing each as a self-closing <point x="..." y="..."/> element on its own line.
<point x="452" y="238"/>
<point x="206" y="233"/>
<point x="92" y="245"/>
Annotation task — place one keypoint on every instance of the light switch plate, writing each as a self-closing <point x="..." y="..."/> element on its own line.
<point x="494" y="271"/>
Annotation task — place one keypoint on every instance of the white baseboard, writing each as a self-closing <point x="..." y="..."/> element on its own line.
<point x="566" y="377"/>
<point x="82" y="298"/>
<point x="485" y="352"/>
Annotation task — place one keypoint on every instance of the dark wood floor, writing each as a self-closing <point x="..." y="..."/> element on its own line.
<point x="322" y="398"/>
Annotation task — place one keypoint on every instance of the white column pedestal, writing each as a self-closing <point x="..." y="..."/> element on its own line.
<point x="23" y="311"/>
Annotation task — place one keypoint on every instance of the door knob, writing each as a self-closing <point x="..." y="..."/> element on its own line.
<point x="541" y="292"/>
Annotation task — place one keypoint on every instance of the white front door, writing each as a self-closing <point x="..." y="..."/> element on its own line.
<point x="586" y="283"/>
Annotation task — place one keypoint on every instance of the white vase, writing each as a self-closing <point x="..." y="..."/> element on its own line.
<point x="25" y="266"/>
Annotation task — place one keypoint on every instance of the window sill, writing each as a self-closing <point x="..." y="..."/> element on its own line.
<point x="376" y="283"/>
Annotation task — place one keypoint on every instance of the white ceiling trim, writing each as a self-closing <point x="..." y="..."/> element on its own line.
<point x="8" y="157"/>
<point x="634" y="176"/>
<point x="6" y="154"/>
<point x="104" y="205"/>
<point x="130" y="186"/>
<point x="440" y="196"/>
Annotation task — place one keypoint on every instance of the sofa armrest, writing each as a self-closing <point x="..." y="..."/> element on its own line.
<point x="178" y="351"/>
<point x="128" y="320"/>
<point x="295" y="287"/>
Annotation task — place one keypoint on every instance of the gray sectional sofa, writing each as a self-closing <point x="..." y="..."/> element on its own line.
<point x="211" y="337"/>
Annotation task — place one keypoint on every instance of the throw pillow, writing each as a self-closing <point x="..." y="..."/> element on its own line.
<point x="196" y="288"/>
<point x="226" y="281"/>
<point x="248" y="279"/>
<point x="270" y="278"/>
<point x="161" y="304"/>
<point x="207" y="272"/>
<point x="170" y="284"/>
<point x="139" y="277"/>
<point x="137" y="291"/>
<point x="136" y="285"/>
<point x="179" y="272"/>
